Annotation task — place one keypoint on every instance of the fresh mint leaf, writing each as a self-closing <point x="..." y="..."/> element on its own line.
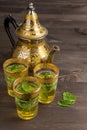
<point x="68" y="99"/>
<point x="64" y="103"/>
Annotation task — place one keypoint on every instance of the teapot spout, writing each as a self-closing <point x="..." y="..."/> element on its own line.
<point x="52" y="52"/>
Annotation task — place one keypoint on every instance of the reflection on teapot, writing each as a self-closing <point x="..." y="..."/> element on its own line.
<point x="31" y="44"/>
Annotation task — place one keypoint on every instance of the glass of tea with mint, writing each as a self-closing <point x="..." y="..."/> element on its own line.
<point x="47" y="74"/>
<point x="26" y="92"/>
<point x="14" y="68"/>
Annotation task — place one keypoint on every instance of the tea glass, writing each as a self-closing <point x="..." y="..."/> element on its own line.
<point x="47" y="74"/>
<point x="10" y="75"/>
<point x="26" y="92"/>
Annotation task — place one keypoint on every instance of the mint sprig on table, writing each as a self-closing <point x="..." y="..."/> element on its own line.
<point x="68" y="99"/>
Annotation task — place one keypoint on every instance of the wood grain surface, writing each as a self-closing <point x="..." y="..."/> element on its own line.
<point x="66" y="21"/>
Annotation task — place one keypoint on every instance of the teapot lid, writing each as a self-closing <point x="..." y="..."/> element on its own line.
<point x="31" y="29"/>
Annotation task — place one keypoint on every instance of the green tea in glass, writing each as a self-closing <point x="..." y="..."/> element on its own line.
<point x="47" y="75"/>
<point x="26" y="92"/>
<point x="14" y="68"/>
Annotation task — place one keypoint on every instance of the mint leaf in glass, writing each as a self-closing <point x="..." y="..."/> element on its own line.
<point x="9" y="80"/>
<point x="15" y="67"/>
<point x="19" y="88"/>
<point x="46" y="74"/>
<point x="23" y="104"/>
<point x="28" y="87"/>
<point x="26" y="104"/>
<point x="49" y="86"/>
<point x="43" y="95"/>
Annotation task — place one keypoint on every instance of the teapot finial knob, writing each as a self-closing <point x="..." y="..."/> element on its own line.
<point x="31" y="29"/>
<point x="31" y="6"/>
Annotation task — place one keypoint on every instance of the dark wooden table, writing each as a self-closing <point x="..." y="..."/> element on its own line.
<point x="62" y="18"/>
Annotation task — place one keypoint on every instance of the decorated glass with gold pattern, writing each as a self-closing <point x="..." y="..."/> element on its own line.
<point x="26" y="92"/>
<point x="47" y="75"/>
<point x="14" y="68"/>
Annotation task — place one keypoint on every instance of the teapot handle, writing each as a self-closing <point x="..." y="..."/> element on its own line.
<point x="9" y="19"/>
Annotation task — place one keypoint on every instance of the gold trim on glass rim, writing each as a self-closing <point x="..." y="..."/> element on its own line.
<point x="28" y="95"/>
<point x="46" y="66"/>
<point x="12" y="61"/>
